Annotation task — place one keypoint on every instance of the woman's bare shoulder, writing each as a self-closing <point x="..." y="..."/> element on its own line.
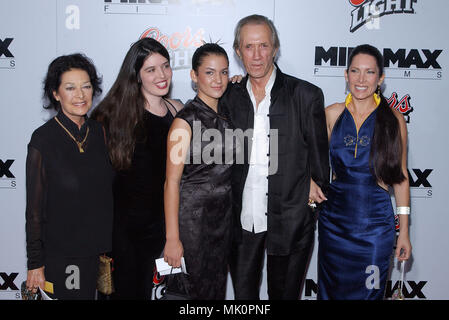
<point x="176" y="103"/>
<point x="334" y="110"/>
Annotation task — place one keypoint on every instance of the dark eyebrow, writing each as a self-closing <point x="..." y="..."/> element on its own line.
<point x="369" y="68"/>
<point x="73" y="83"/>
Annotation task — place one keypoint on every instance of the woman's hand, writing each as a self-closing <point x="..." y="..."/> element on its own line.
<point x="36" y="279"/>
<point x="237" y="78"/>
<point x="315" y="194"/>
<point x="403" y="247"/>
<point x="173" y="252"/>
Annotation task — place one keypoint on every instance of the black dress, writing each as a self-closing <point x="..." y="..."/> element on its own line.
<point x="69" y="204"/>
<point x="139" y="223"/>
<point x="206" y="202"/>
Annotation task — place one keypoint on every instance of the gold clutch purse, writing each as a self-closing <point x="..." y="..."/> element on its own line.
<point x="105" y="284"/>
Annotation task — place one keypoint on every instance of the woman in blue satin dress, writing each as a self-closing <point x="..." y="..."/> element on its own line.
<point x="368" y="150"/>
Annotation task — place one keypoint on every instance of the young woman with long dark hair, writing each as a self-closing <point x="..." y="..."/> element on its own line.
<point x="368" y="150"/>
<point x="137" y="116"/>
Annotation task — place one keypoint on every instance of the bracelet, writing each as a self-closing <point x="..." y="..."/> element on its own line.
<point x="402" y="210"/>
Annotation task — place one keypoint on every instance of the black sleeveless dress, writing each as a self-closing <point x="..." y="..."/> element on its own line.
<point x="205" y="208"/>
<point x="139" y="225"/>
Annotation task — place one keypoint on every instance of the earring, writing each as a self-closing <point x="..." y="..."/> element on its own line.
<point x="346" y="88"/>
<point x="378" y="90"/>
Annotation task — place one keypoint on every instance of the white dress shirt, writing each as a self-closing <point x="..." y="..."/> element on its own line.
<point x="255" y="192"/>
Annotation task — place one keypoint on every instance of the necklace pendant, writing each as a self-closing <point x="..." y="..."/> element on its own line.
<point x="79" y="144"/>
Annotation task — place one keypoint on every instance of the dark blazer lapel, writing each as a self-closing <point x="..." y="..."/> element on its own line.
<point x="277" y="86"/>
<point x="249" y="112"/>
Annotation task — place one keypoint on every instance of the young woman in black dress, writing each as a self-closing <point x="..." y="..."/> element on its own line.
<point x="137" y="116"/>
<point x="198" y="193"/>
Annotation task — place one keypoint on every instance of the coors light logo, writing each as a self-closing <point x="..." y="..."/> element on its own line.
<point x="180" y="45"/>
<point x="367" y="10"/>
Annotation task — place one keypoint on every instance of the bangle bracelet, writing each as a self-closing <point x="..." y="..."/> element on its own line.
<point x="402" y="210"/>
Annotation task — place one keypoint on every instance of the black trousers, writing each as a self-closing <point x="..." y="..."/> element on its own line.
<point x="285" y="274"/>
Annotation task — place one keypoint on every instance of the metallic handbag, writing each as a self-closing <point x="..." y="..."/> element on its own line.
<point x="28" y="294"/>
<point x="105" y="283"/>
<point x="398" y="294"/>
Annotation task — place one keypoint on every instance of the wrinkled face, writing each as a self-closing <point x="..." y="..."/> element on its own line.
<point x="74" y="94"/>
<point x="363" y="76"/>
<point x="155" y="75"/>
<point x="256" y="50"/>
<point x="211" y="78"/>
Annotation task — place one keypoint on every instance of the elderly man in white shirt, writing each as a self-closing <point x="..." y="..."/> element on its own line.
<point x="285" y="160"/>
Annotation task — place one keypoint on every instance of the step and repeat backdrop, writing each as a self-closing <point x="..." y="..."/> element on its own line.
<point x="316" y="39"/>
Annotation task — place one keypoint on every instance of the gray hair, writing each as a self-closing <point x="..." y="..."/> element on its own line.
<point x="256" y="19"/>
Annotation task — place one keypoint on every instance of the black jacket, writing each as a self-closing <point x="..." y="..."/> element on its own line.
<point x="297" y="112"/>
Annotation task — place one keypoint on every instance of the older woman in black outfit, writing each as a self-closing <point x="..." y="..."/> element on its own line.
<point x="69" y="185"/>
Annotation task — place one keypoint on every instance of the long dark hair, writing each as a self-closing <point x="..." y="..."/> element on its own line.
<point x="63" y="64"/>
<point x="121" y="111"/>
<point x="386" y="147"/>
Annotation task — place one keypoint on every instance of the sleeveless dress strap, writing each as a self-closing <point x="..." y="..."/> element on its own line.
<point x="176" y="111"/>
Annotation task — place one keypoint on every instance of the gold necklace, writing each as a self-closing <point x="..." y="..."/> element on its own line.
<point x="79" y="144"/>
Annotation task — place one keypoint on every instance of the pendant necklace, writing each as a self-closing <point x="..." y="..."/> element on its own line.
<point x="79" y="144"/>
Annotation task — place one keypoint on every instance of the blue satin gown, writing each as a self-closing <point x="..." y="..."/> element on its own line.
<point x="356" y="224"/>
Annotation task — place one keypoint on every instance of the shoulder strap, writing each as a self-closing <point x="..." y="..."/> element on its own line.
<point x="176" y="111"/>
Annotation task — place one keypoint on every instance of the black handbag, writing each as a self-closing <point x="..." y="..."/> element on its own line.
<point x="170" y="287"/>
